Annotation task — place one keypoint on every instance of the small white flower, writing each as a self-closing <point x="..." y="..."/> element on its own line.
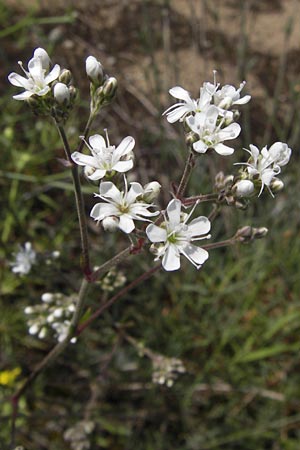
<point x="61" y="93"/>
<point x="228" y="95"/>
<point x="94" y="70"/>
<point x="24" y="259"/>
<point x="211" y="134"/>
<point x="177" y="236"/>
<point x="37" y="77"/>
<point x="265" y="165"/>
<point x="188" y="105"/>
<point x="123" y="205"/>
<point x="105" y="157"/>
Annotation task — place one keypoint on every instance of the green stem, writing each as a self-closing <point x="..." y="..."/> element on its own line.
<point x="200" y="199"/>
<point x="79" y="202"/>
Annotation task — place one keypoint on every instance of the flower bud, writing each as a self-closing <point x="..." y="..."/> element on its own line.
<point x="110" y="88"/>
<point x="73" y="93"/>
<point x="43" y="56"/>
<point x="65" y="76"/>
<point x="244" y="234"/>
<point x="110" y="223"/>
<point x="276" y="185"/>
<point x="259" y="233"/>
<point x="61" y="93"/>
<point x="244" y="188"/>
<point x="94" y="70"/>
<point x="191" y="138"/>
<point x="151" y="191"/>
<point x="47" y="297"/>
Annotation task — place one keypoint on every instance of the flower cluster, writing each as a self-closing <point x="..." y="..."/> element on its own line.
<point x="209" y="117"/>
<point x="262" y="169"/>
<point x="54" y="313"/>
<point x="166" y="370"/>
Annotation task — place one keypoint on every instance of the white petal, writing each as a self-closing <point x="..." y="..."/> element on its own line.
<point x="125" y="147"/>
<point x="53" y="75"/>
<point x="135" y="190"/>
<point x="223" y="149"/>
<point x="97" y="175"/>
<point x="102" y="210"/>
<point x="181" y="94"/>
<point x="18" y="80"/>
<point x="195" y="255"/>
<point x="171" y="259"/>
<point x="155" y="233"/>
<point x="267" y="176"/>
<point x="174" y="210"/>
<point x="123" y="166"/>
<point x="200" y="147"/>
<point x="97" y="141"/>
<point x="23" y="96"/>
<point x="230" y="132"/>
<point x="177" y="113"/>
<point x="199" y="226"/>
<point x="126" y="223"/>
<point x="43" y="91"/>
<point x="242" y="100"/>
<point x="35" y="68"/>
<point x="109" y="190"/>
<point x="84" y="160"/>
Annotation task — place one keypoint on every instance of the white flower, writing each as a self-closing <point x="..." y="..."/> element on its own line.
<point x="105" y="157"/>
<point x="188" y="105"/>
<point x="24" y="259"/>
<point x="228" y="95"/>
<point x="265" y="165"/>
<point x="37" y="77"/>
<point x="94" y="70"/>
<point x="124" y="206"/>
<point x="177" y="237"/>
<point x="211" y="133"/>
<point x="61" y="93"/>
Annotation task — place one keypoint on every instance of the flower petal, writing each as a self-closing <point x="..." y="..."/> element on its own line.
<point x="97" y="175"/>
<point x="171" y="258"/>
<point x="200" y="146"/>
<point x="126" y="223"/>
<point x="102" y="210"/>
<point x="53" y="74"/>
<point x="109" y="190"/>
<point x="199" y="226"/>
<point x="23" y="96"/>
<point x="180" y="93"/>
<point x="134" y="191"/>
<point x="84" y="160"/>
<point x="174" y="211"/>
<point x="223" y="150"/>
<point x="196" y="255"/>
<point x="155" y="233"/>
<point x="123" y="166"/>
<point x="97" y="141"/>
<point x="177" y="113"/>
<point x="18" y="80"/>
<point x="125" y="147"/>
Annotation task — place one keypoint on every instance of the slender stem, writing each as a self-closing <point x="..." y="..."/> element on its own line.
<point x="86" y="132"/>
<point x="110" y="263"/>
<point x="200" y="199"/>
<point x="225" y="243"/>
<point x="119" y="294"/>
<point x="189" y="165"/>
<point x="79" y="203"/>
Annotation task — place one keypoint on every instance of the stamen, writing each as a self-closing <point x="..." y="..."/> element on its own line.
<point x="106" y="135"/>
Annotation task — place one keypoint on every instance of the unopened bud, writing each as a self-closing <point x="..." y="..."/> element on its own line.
<point x="73" y="93"/>
<point x="43" y="56"/>
<point x="259" y="233"/>
<point x="65" y="76"/>
<point x="61" y="93"/>
<point x="110" y="88"/>
<point x="276" y="185"/>
<point x="191" y="138"/>
<point x="244" y="234"/>
<point x="151" y="191"/>
<point x="94" y="70"/>
<point x="243" y="188"/>
<point x="110" y="223"/>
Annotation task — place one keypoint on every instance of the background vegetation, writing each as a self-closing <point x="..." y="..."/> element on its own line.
<point x="236" y="323"/>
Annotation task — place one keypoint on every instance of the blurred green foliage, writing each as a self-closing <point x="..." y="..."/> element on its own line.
<point x="235" y="324"/>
